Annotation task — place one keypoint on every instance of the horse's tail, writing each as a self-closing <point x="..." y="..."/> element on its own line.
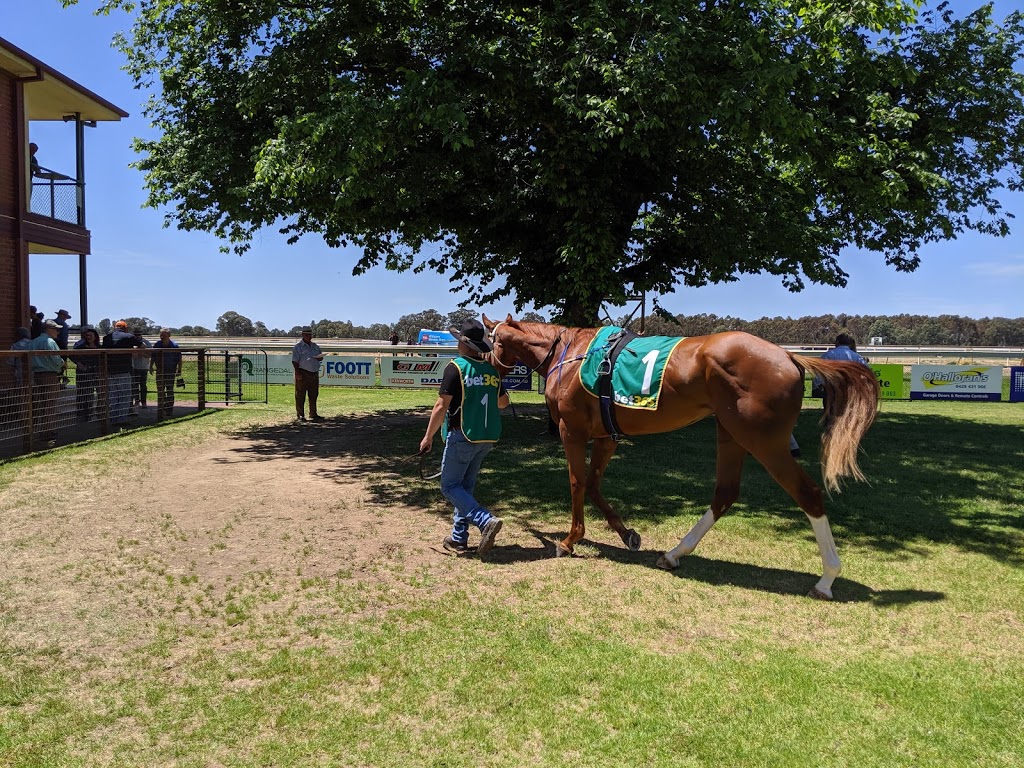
<point x="851" y="404"/>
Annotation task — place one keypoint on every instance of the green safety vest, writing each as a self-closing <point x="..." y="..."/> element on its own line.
<point x="481" y="419"/>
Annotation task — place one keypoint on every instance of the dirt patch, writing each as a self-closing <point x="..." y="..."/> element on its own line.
<point x="286" y="518"/>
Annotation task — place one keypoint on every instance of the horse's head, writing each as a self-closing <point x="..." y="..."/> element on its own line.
<point x="503" y="356"/>
<point x="532" y="344"/>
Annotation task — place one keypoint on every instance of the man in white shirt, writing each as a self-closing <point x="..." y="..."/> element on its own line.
<point x="306" y="357"/>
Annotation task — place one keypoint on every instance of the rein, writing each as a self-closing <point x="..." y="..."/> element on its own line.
<point x="422" y="465"/>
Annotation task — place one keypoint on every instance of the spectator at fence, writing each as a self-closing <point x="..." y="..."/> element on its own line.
<point x="46" y="372"/>
<point x="306" y="357"/>
<point x="140" y="371"/>
<point x="87" y="374"/>
<point x="23" y="338"/>
<point x="167" y="365"/>
<point x="845" y="349"/>
<point x="62" y="320"/>
<point x="119" y="372"/>
<point x="36" y="318"/>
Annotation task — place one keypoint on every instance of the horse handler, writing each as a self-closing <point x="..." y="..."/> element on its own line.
<point x="467" y="404"/>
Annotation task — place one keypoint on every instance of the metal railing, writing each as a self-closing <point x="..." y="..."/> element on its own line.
<point x="57" y="197"/>
<point x="100" y="391"/>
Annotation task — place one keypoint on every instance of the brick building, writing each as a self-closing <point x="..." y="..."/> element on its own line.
<point x="41" y="210"/>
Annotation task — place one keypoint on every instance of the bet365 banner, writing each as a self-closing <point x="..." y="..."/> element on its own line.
<point x="955" y="382"/>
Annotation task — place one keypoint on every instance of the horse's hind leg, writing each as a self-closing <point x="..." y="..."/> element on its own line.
<point x="798" y="484"/>
<point x="601" y="452"/>
<point x="728" y="471"/>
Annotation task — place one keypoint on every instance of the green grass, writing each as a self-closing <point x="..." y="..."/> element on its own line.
<point x="598" y="660"/>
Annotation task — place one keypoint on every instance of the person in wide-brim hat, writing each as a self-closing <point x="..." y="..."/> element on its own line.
<point x="473" y="335"/>
<point x="468" y="403"/>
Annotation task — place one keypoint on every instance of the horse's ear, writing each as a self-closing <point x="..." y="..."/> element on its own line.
<point x="488" y="323"/>
<point x="508" y="318"/>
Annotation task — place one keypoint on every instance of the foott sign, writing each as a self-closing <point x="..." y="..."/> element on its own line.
<point x="335" y="370"/>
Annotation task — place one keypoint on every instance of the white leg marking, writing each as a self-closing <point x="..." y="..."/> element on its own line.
<point x="690" y="541"/>
<point x="830" y="564"/>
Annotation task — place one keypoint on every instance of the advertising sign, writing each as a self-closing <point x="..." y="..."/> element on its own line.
<point x="890" y="380"/>
<point x="1017" y="384"/>
<point x="277" y="368"/>
<point x="347" y="371"/>
<point x="955" y="382"/>
<point x="518" y="378"/>
<point x="335" y="370"/>
<point x="437" y="338"/>
<point x="412" y="372"/>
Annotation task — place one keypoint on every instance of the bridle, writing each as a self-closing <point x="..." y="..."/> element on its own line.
<point x="547" y="358"/>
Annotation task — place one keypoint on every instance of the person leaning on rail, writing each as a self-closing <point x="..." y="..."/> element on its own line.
<point x="46" y="373"/>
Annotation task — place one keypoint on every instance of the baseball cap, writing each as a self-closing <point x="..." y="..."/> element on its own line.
<point x="50" y="325"/>
<point x="121" y="324"/>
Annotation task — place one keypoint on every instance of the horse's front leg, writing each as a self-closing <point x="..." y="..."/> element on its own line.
<point x="728" y="471"/>
<point x="600" y="454"/>
<point x="576" y="454"/>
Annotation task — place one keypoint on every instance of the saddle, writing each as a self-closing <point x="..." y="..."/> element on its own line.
<point x="616" y="344"/>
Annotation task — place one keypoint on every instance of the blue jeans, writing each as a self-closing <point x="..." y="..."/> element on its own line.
<point x="460" y="466"/>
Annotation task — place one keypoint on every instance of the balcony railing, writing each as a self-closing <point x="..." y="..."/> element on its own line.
<point x="57" y="196"/>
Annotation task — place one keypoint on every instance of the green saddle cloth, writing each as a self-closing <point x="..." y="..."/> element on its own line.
<point x="638" y="372"/>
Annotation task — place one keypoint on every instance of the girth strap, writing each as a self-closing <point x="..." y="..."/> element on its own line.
<point x="616" y="344"/>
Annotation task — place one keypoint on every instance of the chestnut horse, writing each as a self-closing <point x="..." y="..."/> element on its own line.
<point x="753" y="387"/>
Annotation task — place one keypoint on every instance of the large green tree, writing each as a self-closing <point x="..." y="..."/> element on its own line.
<point x="574" y="150"/>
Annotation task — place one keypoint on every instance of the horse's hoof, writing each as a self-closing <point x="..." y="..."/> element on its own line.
<point x="631" y="540"/>
<point x="561" y="551"/>
<point x="817" y="594"/>
<point x="665" y="564"/>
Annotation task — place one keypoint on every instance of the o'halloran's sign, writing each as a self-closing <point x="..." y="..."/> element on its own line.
<point x="890" y="380"/>
<point x="955" y="382"/>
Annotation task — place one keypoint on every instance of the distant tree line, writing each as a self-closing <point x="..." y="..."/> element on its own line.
<point x="950" y="330"/>
<point x="234" y="324"/>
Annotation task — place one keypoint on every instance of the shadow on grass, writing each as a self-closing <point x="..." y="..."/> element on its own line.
<point x="932" y="479"/>
<point x="779" y="581"/>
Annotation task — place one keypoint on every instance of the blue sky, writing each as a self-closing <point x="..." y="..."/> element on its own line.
<point x="140" y="269"/>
